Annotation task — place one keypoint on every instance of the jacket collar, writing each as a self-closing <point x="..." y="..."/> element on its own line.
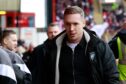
<point x="59" y="41"/>
<point x="81" y="44"/>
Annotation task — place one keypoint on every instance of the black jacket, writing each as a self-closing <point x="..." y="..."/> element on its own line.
<point x="102" y="62"/>
<point x="36" y="63"/>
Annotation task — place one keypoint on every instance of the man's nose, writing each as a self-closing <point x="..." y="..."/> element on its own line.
<point x="53" y="33"/>
<point x="71" y="27"/>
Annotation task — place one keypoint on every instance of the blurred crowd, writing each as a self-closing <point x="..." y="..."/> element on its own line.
<point x="113" y="16"/>
<point x="87" y="6"/>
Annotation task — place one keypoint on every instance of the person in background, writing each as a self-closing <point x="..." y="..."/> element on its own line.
<point x="118" y="46"/>
<point x="53" y="30"/>
<point x="9" y="44"/>
<point x="78" y="56"/>
<point x="27" y="54"/>
<point x="9" y="40"/>
<point x="36" y="62"/>
<point x="21" y="48"/>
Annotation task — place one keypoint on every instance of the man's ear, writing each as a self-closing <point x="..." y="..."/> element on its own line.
<point x="5" y="41"/>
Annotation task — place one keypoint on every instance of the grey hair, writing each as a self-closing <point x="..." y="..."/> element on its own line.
<point x="74" y="10"/>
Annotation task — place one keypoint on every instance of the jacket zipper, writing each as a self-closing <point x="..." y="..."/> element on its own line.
<point x="73" y="68"/>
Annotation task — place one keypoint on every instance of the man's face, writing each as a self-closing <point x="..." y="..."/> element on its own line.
<point x="10" y="42"/>
<point x="74" y="24"/>
<point x="53" y="31"/>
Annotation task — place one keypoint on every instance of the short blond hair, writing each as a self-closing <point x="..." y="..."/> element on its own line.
<point x="74" y="10"/>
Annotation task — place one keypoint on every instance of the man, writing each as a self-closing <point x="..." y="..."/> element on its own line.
<point x="27" y="54"/>
<point x="9" y="40"/>
<point x="78" y="56"/>
<point x="7" y="75"/>
<point x="53" y="30"/>
<point x="36" y="62"/>
<point x="9" y="44"/>
<point x="118" y="46"/>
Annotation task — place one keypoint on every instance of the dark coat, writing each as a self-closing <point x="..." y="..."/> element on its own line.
<point x="36" y="63"/>
<point x="102" y="62"/>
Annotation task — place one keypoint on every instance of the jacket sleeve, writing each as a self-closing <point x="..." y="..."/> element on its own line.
<point x="7" y="75"/>
<point x="110" y="71"/>
<point x="6" y="80"/>
<point x="38" y="66"/>
<point x="23" y="75"/>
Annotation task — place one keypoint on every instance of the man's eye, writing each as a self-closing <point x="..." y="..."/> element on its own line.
<point x="67" y="24"/>
<point x="75" y="23"/>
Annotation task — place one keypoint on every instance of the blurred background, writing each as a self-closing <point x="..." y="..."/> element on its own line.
<point x="30" y="18"/>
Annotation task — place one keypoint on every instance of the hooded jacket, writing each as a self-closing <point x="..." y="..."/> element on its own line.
<point x="102" y="62"/>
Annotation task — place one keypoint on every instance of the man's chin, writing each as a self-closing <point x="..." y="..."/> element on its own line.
<point x="14" y="50"/>
<point x="72" y="40"/>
